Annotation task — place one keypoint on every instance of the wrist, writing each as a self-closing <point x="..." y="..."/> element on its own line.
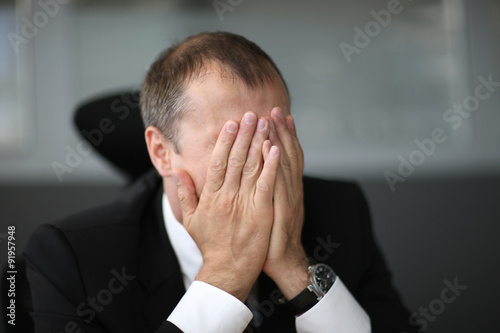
<point x="238" y="285"/>
<point x="292" y="279"/>
<point x="322" y="279"/>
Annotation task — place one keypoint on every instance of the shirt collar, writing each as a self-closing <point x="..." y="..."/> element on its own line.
<point x="187" y="252"/>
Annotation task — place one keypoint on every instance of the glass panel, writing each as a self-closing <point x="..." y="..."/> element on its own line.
<point x="10" y="113"/>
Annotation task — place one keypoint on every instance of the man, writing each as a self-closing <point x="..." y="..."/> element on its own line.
<point x="231" y="236"/>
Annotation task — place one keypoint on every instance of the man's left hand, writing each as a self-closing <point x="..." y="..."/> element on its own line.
<point x="286" y="263"/>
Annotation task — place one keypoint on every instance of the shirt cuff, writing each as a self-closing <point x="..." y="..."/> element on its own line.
<point x="205" y="308"/>
<point x="338" y="311"/>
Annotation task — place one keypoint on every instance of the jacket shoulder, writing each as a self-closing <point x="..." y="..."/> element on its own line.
<point x="340" y="191"/>
<point x="127" y="208"/>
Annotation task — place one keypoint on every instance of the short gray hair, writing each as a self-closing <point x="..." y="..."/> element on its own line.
<point x="163" y="100"/>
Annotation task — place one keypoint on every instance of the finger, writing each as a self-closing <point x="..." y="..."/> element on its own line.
<point x="186" y="194"/>
<point x="290" y="121"/>
<point x="284" y="178"/>
<point x="292" y="160"/>
<point x="253" y="164"/>
<point x="286" y="167"/>
<point x="267" y="179"/>
<point x="275" y="140"/>
<point x="238" y="154"/>
<point x="266" y="146"/>
<point x="285" y="136"/>
<point x="218" y="161"/>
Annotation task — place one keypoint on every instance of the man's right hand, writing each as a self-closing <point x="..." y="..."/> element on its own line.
<point x="231" y="224"/>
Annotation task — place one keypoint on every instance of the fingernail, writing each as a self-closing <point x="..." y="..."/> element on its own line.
<point x="261" y="124"/>
<point x="231" y="127"/>
<point x="250" y="118"/>
<point x="176" y="179"/>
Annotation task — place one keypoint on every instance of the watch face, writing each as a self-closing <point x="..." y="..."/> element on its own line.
<point x="323" y="277"/>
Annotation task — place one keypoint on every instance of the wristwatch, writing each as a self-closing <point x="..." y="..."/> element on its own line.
<point x="322" y="278"/>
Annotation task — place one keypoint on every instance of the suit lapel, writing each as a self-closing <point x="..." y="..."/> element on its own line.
<point x="159" y="270"/>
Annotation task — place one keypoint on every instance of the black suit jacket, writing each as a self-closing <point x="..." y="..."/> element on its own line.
<point x="113" y="269"/>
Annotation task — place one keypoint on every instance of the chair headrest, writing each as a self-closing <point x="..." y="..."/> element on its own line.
<point x="112" y="124"/>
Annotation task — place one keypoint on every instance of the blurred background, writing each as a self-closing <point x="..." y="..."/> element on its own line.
<point x="391" y="94"/>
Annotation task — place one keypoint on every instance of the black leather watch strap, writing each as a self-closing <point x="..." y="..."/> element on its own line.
<point x="302" y="302"/>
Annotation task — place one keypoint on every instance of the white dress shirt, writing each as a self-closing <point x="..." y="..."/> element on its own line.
<point x="205" y="308"/>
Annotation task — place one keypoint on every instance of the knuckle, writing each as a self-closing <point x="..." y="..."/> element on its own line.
<point x="293" y="155"/>
<point x="216" y="164"/>
<point x="235" y="161"/>
<point x="250" y="168"/>
<point x="263" y="186"/>
<point x="225" y="203"/>
<point x="282" y="181"/>
<point x="285" y="163"/>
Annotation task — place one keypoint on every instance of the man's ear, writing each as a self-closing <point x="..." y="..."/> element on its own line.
<point x="160" y="151"/>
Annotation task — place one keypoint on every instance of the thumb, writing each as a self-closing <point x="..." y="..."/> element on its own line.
<point x="185" y="193"/>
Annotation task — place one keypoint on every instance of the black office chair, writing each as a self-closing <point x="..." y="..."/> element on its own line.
<point x="112" y="124"/>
